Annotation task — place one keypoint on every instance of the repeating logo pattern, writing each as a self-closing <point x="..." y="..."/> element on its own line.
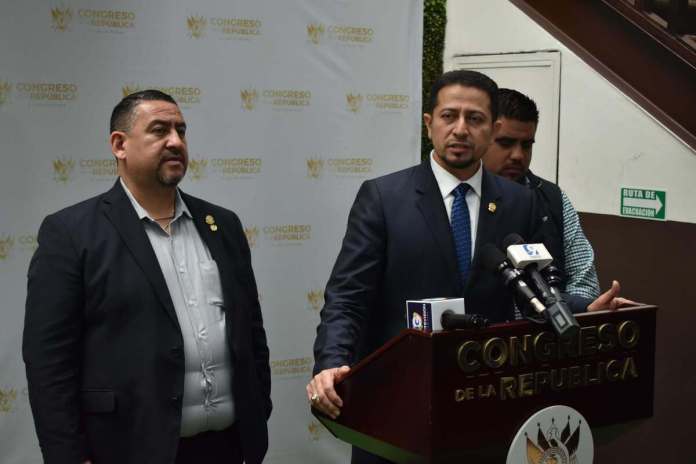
<point x="314" y="167"/>
<point x="76" y="169"/>
<point x="292" y="366"/>
<point x="184" y="95"/>
<point x="61" y="18"/>
<point x="249" y="98"/>
<point x="8" y="397"/>
<point x="287" y="234"/>
<point x="277" y="99"/>
<point x="63" y="169"/>
<point x="109" y="20"/>
<point x="237" y="168"/>
<point x="247" y="167"/>
<point x="223" y="27"/>
<point x="252" y="235"/>
<point x="197" y="168"/>
<point x="354" y="102"/>
<point x="47" y="92"/>
<point x="102" y="169"/>
<point x="315" y="32"/>
<point x="339" y="166"/>
<point x="102" y="20"/>
<point x="12" y="244"/>
<point x="196" y="26"/>
<point x="389" y="101"/>
<point x="5" y="89"/>
<point x="315" y="299"/>
<point x="340" y="33"/>
<point x="6" y="244"/>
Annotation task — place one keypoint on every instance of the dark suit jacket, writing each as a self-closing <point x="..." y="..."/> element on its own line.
<point x="102" y="343"/>
<point x="399" y="246"/>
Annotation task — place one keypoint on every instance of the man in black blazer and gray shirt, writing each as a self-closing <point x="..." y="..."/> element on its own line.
<point x="143" y="336"/>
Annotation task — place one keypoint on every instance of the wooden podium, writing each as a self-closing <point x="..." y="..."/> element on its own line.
<point x="460" y="396"/>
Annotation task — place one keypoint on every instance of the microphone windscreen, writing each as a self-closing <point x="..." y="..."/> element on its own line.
<point x="512" y="239"/>
<point x="491" y="257"/>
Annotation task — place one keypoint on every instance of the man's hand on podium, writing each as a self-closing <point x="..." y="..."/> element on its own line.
<point x="610" y="299"/>
<point x="321" y="393"/>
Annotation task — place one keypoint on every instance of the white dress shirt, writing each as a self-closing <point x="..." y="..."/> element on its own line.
<point x="447" y="182"/>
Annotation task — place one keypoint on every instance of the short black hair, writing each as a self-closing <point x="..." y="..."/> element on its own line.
<point x="122" y="115"/>
<point x="465" y="78"/>
<point x="516" y="105"/>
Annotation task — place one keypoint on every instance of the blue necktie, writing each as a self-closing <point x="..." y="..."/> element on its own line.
<point x="461" y="230"/>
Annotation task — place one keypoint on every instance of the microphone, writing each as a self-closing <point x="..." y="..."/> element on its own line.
<point x="553" y="277"/>
<point x="451" y="321"/>
<point x="532" y="258"/>
<point x="495" y="261"/>
<point x="523" y="254"/>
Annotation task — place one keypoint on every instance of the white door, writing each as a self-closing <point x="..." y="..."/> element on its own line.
<point x="537" y="75"/>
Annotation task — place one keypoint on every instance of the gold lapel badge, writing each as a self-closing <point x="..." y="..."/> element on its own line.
<point x="210" y="220"/>
<point x="491" y="207"/>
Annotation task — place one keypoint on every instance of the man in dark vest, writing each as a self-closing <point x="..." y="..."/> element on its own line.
<point x="510" y="155"/>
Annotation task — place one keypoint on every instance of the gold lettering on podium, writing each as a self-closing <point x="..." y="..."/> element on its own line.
<point x="552" y="380"/>
<point x="533" y="364"/>
<point x="545" y="347"/>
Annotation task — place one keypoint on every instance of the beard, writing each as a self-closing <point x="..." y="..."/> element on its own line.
<point x="169" y="178"/>
<point x="463" y="161"/>
<point x="458" y="163"/>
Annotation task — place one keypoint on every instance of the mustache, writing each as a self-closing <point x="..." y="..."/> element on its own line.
<point x="172" y="156"/>
<point x="461" y="144"/>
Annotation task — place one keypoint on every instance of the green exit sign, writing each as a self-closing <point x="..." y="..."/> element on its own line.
<point x="643" y="203"/>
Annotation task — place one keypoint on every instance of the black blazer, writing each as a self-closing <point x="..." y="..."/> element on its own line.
<point x="399" y="246"/>
<point x="102" y="343"/>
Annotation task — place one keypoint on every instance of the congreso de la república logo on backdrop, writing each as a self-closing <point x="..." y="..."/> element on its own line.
<point x="222" y="27"/>
<point x="277" y="99"/>
<point x="68" y="18"/>
<point x="224" y="167"/>
<point x="344" y="34"/>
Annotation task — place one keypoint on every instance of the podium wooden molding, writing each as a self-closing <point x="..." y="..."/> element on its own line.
<point x="451" y="396"/>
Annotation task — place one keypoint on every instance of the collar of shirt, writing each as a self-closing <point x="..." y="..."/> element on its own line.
<point x="447" y="182"/>
<point x="526" y="180"/>
<point x="180" y="207"/>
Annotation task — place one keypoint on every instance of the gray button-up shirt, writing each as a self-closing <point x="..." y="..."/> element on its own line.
<point x="193" y="281"/>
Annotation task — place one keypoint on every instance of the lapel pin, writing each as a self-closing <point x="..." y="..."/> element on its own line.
<point x="491" y="207"/>
<point x="210" y="220"/>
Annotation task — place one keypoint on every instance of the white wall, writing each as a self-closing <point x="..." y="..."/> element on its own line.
<point x="606" y="141"/>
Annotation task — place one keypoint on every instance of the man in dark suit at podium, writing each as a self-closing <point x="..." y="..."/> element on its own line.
<point x="143" y="337"/>
<point x="417" y="233"/>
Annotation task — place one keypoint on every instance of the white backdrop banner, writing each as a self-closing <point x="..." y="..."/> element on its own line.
<point x="290" y="105"/>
